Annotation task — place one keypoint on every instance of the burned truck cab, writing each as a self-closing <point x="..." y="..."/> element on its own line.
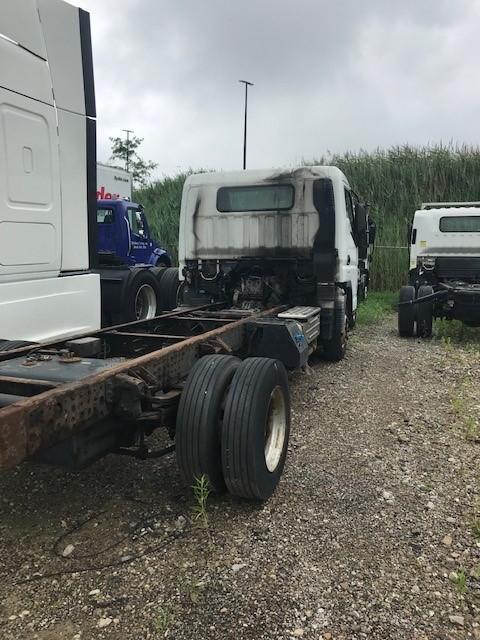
<point x="262" y="238"/>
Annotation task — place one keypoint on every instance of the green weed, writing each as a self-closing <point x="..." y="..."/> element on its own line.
<point x="201" y="491"/>
<point x="461" y="581"/>
<point x="476" y="528"/>
<point x="163" y="620"/>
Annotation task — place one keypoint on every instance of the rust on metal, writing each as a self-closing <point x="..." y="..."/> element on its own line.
<point x="53" y="415"/>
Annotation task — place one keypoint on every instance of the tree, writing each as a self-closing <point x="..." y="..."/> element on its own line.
<point x="125" y="149"/>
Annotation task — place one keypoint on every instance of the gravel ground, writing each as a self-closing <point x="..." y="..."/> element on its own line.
<point x="371" y="533"/>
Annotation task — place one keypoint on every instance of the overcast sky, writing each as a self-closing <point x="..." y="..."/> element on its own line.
<point x="329" y="76"/>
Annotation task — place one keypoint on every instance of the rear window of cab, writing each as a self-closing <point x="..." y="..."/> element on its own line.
<point x="460" y="224"/>
<point x="272" y="197"/>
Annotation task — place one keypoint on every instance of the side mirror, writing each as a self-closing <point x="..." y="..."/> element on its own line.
<point x="409" y="233"/>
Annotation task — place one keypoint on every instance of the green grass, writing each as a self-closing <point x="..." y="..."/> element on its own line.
<point x="394" y="181"/>
<point x="455" y="331"/>
<point x="376" y="306"/>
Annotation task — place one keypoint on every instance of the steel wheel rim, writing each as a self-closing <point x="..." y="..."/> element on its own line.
<point x="145" y="303"/>
<point x="275" y="429"/>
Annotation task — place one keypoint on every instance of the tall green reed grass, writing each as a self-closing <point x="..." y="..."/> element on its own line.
<point x="394" y="181"/>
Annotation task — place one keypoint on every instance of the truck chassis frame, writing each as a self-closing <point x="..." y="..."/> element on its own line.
<point x="139" y="393"/>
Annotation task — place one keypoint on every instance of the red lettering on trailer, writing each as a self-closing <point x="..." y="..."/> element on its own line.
<point x="106" y="195"/>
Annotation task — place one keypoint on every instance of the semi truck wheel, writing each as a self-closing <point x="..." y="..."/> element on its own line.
<point x="406" y="313"/>
<point x="335" y="348"/>
<point x="424" y="313"/>
<point x="142" y="297"/>
<point x="256" y="428"/>
<point x="199" y="419"/>
<point x="169" y="288"/>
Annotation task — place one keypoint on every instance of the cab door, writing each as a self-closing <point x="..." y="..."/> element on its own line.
<point x="140" y="243"/>
<point x="348" y="254"/>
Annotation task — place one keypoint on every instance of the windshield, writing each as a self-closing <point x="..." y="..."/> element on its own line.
<point x="460" y="224"/>
<point x="256" y="198"/>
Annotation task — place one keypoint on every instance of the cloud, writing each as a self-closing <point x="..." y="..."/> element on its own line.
<point x="328" y="76"/>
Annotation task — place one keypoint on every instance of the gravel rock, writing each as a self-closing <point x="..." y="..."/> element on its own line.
<point x="352" y="545"/>
<point x="458" y="620"/>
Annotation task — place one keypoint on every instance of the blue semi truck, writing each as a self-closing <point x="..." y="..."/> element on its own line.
<point x="124" y="235"/>
<point x="137" y="279"/>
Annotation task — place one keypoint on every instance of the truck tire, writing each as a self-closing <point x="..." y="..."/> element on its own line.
<point x="256" y="428"/>
<point x="406" y="313"/>
<point x="199" y="419"/>
<point x="424" y="313"/>
<point x="142" y="296"/>
<point x="169" y="288"/>
<point x="335" y="348"/>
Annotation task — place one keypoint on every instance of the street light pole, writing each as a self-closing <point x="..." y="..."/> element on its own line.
<point x="127" y="163"/>
<point x="247" y="84"/>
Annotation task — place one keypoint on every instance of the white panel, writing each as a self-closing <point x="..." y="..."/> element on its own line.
<point x="30" y="214"/>
<point x="29" y="156"/>
<point x="24" y="243"/>
<point x="61" y="307"/>
<point x="61" y="29"/>
<point x="73" y="160"/>
<point x="24" y="73"/>
<point x="20" y="22"/>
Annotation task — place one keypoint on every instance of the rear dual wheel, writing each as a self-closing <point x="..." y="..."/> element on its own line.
<point x="233" y="425"/>
<point x="415" y="318"/>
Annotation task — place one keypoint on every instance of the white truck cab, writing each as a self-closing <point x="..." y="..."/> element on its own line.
<point x="261" y="238"/>
<point x="444" y="274"/>
<point x="47" y="172"/>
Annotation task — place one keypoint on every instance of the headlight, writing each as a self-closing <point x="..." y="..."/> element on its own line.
<point x="426" y="262"/>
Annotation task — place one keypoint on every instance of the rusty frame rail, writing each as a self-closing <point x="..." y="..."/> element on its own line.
<point x="53" y="415"/>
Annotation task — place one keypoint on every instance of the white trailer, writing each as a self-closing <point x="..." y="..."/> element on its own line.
<point x="113" y="183"/>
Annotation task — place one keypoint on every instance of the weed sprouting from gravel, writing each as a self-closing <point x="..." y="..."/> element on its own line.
<point x="201" y="491"/>
<point x="164" y="619"/>
<point x="464" y="412"/>
<point x="461" y="582"/>
<point x="476" y="528"/>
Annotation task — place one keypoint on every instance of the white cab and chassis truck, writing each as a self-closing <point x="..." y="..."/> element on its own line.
<point x="211" y="372"/>
<point x="254" y="239"/>
<point x="444" y="275"/>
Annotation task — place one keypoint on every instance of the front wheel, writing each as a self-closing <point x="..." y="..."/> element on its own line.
<point x="256" y="428"/>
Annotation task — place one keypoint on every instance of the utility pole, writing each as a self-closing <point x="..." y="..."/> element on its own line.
<point x="127" y="162"/>
<point x="247" y="84"/>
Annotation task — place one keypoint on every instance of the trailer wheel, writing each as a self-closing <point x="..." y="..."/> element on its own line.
<point x="199" y="419"/>
<point x="406" y="313"/>
<point x="256" y="428"/>
<point x="335" y="348"/>
<point x="424" y="313"/>
<point x="169" y="288"/>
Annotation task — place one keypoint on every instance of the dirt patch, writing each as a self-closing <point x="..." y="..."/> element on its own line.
<point x="371" y="534"/>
